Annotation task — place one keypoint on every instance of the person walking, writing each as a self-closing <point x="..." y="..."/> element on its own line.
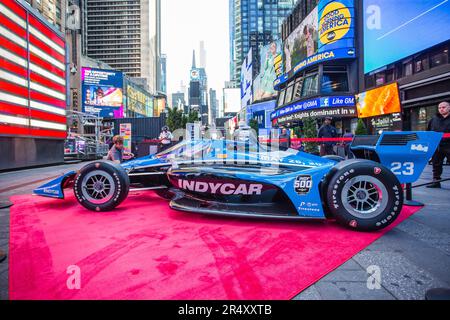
<point x="115" y="154"/>
<point x="327" y="131"/>
<point x="440" y="123"/>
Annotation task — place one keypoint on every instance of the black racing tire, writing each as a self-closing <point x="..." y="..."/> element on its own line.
<point x="334" y="158"/>
<point x="363" y="195"/>
<point x="101" y="186"/>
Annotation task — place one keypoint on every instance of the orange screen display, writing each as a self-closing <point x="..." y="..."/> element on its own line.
<point x="378" y="102"/>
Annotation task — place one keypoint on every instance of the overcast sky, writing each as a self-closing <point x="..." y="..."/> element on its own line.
<point x="184" y="24"/>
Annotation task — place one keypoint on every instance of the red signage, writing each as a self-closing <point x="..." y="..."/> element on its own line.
<point x="32" y="75"/>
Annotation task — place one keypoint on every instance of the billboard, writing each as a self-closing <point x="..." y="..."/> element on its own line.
<point x="139" y="102"/>
<point x="231" y="100"/>
<point x="397" y="29"/>
<point x="247" y="80"/>
<point x="33" y="95"/>
<point x="102" y="92"/>
<point x="327" y="33"/>
<point x="263" y="83"/>
<point x="332" y="106"/>
<point x="380" y="101"/>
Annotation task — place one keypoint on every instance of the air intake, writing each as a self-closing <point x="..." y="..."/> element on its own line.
<point x="397" y="139"/>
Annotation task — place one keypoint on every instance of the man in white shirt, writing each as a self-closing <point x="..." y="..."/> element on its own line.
<point x="165" y="138"/>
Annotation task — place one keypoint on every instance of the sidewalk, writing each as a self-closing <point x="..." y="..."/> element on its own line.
<point x="413" y="257"/>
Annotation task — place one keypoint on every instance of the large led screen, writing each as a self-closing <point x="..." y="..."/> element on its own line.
<point x="102" y="92"/>
<point x="377" y="102"/>
<point x="397" y="29"/>
<point x="327" y="33"/>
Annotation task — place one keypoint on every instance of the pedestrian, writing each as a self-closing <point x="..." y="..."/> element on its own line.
<point x="285" y="140"/>
<point x="348" y="135"/>
<point x="116" y="152"/>
<point x="327" y="131"/>
<point x="165" y="139"/>
<point x="2" y="256"/>
<point x="440" y="123"/>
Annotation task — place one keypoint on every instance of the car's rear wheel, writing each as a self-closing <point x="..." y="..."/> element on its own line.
<point x="364" y="195"/>
<point x="101" y="186"/>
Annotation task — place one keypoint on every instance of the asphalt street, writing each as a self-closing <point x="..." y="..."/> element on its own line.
<point x="408" y="260"/>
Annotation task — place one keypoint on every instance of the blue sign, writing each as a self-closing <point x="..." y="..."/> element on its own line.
<point x="394" y="30"/>
<point x="327" y="33"/>
<point x="324" y="102"/>
<point x="102" y="92"/>
<point x="261" y="112"/>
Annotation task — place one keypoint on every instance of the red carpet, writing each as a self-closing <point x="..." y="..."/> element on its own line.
<point x="144" y="250"/>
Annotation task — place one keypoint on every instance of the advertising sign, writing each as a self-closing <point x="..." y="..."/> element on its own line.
<point x="247" y="80"/>
<point x="334" y="106"/>
<point x="231" y="100"/>
<point x="397" y="29"/>
<point x="327" y="33"/>
<point x="379" y="101"/>
<point x="138" y="101"/>
<point x="102" y="92"/>
<point x="263" y="83"/>
<point x="33" y="84"/>
<point x="125" y="132"/>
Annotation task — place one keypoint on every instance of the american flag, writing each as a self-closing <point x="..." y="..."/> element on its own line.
<point x="32" y="75"/>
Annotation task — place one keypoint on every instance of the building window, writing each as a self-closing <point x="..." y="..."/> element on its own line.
<point x="281" y="98"/>
<point x="297" y="89"/>
<point x="438" y="58"/>
<point x="334" y="79"/>
<point x="421" y="63"/>
<point x="310" y="85"/>
<point x="407" y="69"/>
<point x="289" y="90"/>
<point x="380" y="78"/>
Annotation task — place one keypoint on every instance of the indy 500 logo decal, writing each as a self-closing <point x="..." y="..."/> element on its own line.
<point x="303" y="184"/>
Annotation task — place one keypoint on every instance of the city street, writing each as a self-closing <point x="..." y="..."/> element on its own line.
<point x="413" y="257"/>
<point x="224" y="150"/>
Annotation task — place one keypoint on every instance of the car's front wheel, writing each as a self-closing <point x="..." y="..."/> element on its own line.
<point x="101" y="186"/>
<point x="364" y="195"/>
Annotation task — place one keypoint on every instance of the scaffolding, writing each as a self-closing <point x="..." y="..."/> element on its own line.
<point x="88" y="138"/>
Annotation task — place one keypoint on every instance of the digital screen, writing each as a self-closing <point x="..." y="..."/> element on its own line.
<point x="397" y="29"/>
<point x="379" y="101"/>
<point x="263" y="83"/>
<point x="102" y="92"/>
<point x="327" y="33"/>
<point x="247" y="80"/>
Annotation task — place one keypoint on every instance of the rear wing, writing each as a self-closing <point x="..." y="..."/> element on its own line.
<point x="405" y="153"/>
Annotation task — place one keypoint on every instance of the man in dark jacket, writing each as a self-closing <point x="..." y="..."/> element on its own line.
<point x="440" y="123"/>
<point x="327" y="131"/>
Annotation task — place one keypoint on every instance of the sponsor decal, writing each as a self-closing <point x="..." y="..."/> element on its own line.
<point x="221" y="188"/>
<point x="50" y="191"/>
<point x="335" y="22"/>
<point x="309" y="206"/>
<point x="419" y="147"/>
<point x="303" y="184"/>
<point x="377" y="170"/>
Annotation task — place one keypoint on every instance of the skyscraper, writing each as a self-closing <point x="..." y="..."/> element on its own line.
<point x="202" y="55"/>
<point x="254" y="23"/>
<point x="52" y="10"/>
<point x="126" y="35"/>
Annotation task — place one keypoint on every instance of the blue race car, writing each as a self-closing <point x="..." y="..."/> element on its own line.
<point x="250" y="180"/>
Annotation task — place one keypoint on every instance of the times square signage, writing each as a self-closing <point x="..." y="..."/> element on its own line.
<point x="332" y="106"/>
